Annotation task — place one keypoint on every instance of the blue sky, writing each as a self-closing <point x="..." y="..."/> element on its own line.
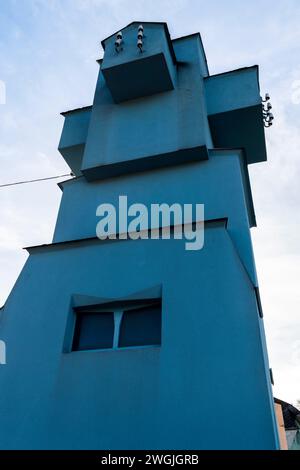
<point x="48" y="50"/>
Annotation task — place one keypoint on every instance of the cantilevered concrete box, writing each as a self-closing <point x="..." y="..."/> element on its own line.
<point x="234" y="111"/>
<point x="130" y="73"/>
<point x="73" y="137"/>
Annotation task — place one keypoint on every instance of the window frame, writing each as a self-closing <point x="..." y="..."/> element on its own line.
<point x="77" y="330"/>
<point x="117" y="308"/>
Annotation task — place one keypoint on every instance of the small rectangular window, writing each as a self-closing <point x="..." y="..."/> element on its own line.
<point x="93" y="331"/>
<point x="124" y="326"/>
<point x="141" y="327"/>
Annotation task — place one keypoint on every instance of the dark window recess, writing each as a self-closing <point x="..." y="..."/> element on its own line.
<point x="141" y="327"/>
<point x="93" y="331"/>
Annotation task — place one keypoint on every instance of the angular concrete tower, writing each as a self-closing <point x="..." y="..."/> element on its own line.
<point x="142" y="344"/>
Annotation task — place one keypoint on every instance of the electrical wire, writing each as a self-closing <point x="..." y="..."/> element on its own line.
<point x="35" y="180"/>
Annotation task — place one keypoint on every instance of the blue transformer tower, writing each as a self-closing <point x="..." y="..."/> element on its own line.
<point x="142" y="344"/>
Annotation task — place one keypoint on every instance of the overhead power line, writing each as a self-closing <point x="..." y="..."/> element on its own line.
<point x="35" y="180"/>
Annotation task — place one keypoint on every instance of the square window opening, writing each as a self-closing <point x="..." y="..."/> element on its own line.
<point x="136" y="325"/>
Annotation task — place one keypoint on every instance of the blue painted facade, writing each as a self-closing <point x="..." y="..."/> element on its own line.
<point x="207" y="386"/>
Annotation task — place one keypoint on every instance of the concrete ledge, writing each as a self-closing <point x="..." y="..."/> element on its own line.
<point x="211" y="223"/>
<point x="146" y="163"/>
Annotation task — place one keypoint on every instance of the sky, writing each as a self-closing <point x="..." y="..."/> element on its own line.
<point x="48" y="52"/>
